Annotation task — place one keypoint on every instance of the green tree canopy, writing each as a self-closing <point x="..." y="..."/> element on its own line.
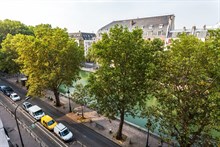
<point x="13" y="27"/>
<point x="187" y="92"/>
<point x="8" y="52"/>
<point x="125" y="60"/>
<point x="81" y="96"/>
<point x="8" y="55"/>
<point x="50" y="58"/>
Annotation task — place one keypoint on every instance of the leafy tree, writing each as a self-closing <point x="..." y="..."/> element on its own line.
<point x="187" y="92"/>
<point x="50" y="58"/>
<point x="8" y="55"/>
<point x="13" y="27"/>
<point x="81" y="95"/>
<point x="120" y="83"/>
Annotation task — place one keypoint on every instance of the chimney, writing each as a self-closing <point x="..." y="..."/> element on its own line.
<point x="204" y="27"/>
<point x="193" y="30"/>
<point x="184" y="28"/>
<point x="132" y="22"/>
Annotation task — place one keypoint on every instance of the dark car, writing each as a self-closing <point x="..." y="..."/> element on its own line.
<point x="7" y="90"/>
<point x="2" y="87"/>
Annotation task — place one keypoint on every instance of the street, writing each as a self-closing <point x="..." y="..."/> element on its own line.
<point x="83" y="134"/>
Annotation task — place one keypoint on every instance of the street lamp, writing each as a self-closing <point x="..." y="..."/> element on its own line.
<point x="68" y="92"/>
<point x="27" y="98"/>
<point x="148" y="125"/>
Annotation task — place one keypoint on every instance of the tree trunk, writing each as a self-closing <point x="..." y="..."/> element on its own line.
<point x="119" y="133"/>
<point x="82" y="112"/>
<point x="56" y="94"/>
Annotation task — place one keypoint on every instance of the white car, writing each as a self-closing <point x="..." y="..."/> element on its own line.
<point x="36" y="112"/>
<point x="63" y="132"/>
<point x="15" y="97"/>
<point x="26" y="106"/>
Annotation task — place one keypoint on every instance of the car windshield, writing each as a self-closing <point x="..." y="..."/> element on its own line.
<point x="65" y="132"/>
<point x="15" y="95"/>
<point x="50" y="122"/>
<point x="38" y="113"/>
<point x="8" y="89"/>
<point x="28" y="105"/>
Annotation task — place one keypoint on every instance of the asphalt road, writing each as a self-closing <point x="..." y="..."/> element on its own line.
<point x="82" y="133"/>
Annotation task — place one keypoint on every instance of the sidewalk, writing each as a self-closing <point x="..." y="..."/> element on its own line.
<point x="135" y="137"/>
<point x="10" y="125"/>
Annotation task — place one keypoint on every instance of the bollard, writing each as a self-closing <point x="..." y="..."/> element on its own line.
<point x="110" y="131"/>
<point x="130" y="141"/>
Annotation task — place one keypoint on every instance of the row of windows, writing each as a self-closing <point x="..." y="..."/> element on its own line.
<point x="151" y="33"/>
<point x="150" y="27"/>
<point x="176" y="34"/>
<point x="85" y="35"/>
<point x="148" y="33"/>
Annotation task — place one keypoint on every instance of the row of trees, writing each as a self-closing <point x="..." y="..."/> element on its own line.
<point x="48" y="56"/>
<point x="184" y="78"/>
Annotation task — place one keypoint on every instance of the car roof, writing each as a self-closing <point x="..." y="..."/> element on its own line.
<point x="60" y="126"/>
<point x="7" y="87"/>
<point x="34" y="108"/>
<point x="14" y="93"/>
<point x="46" y="118"/>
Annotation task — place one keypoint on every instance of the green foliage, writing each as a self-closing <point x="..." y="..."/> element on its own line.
<point x="50" y="58"/>
<point x="81" y="95"/>
<point x="125" y="60"/>
<point x="12" y="27"/>
<point x="8" y="55"/>
<point x="187" y="92"/>
<point x="8" y="52"/>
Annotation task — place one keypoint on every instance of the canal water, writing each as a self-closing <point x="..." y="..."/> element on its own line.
<point x="136" y="121"/>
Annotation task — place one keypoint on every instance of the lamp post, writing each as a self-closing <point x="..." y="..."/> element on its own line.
<point x="27" y="98"/>
<point x="148" y="125"/>
<point x="68" y="92"/>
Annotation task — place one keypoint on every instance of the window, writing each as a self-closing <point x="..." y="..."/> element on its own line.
<point x="160" y="26"/>
<point x="150" y="27"/>
<point x="197" y="34"/>
<point x="159" y="33"/>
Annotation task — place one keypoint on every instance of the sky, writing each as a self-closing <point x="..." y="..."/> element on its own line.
<point x="91" y="15"/>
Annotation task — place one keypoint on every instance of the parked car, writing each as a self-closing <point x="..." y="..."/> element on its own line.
<point x="63" y="132"/>
<point x="36" y="112"/>
<point x="26" y="106"/>
<point x="2" y="87"/>
<point x="48" y="122"/>
<point x="7" y="90"/>
<point x="15" y="97"/>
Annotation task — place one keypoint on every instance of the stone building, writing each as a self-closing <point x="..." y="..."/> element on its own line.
<point x="200" y="33"/>
<point x="84" y="39"/>
<point x="153" y="27"/>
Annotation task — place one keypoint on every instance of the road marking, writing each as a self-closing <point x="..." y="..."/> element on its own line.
<point x="50" y="135"/>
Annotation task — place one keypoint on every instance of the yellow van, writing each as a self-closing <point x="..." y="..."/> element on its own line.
<point x="48" y="122"/>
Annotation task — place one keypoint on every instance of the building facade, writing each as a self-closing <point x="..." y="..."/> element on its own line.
<point x="153" y="27"/>
<point x="200" y="33"/>
<point x="84" y="39"/>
